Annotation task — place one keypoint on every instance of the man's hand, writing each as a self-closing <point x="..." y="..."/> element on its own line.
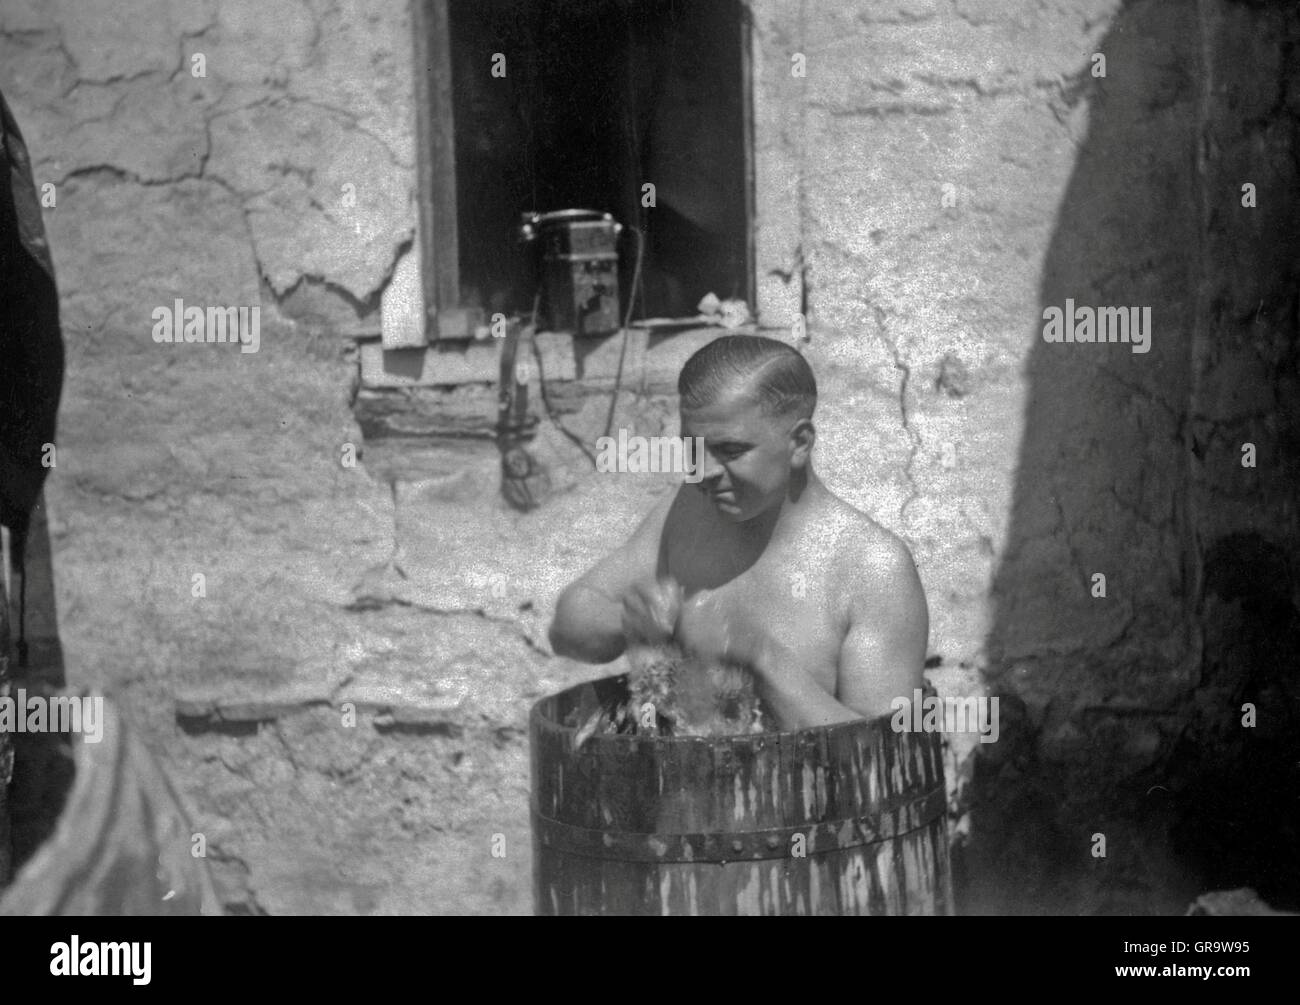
<point x="792" y="695"/>
<point x="651" y="610"/>
<point x="704" y="629"/>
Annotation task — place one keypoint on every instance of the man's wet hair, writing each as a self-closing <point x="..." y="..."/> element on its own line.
<point x="776" y="375"/>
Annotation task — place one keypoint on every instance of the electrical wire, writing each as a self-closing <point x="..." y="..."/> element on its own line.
<point x="546" y="401"/>
<point x="627" y="320"/>
<point x="618" y="376"/>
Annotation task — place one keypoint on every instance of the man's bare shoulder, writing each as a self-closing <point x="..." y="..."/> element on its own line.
<point x="867" y="557"/>
<point x="886" y="619"/>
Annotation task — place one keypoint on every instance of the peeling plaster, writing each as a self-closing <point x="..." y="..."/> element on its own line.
<point x="280" y="123"/>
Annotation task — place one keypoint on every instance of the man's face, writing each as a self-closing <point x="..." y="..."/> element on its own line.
<point x="747" y="455"/>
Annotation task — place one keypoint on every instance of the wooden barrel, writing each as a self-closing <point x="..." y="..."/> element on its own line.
<point x="844" y="819"/>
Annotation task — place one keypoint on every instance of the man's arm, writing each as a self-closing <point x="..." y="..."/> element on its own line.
<point x="797" y="701"/>
<point x="588" y="623"/>
<point x="883" y="655"/>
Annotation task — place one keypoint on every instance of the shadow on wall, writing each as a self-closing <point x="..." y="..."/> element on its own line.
<point x="1148" y="589"/>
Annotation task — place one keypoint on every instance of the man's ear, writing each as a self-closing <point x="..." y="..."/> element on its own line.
<point x="802" y="437"/>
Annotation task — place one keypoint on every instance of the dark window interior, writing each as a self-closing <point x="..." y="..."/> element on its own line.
<point x="599" y="97"/>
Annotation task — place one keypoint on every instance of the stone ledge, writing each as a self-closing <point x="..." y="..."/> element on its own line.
<point x="215" y="710"/>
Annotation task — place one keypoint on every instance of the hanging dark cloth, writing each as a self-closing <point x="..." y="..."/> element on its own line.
<point x="31" y="346"/>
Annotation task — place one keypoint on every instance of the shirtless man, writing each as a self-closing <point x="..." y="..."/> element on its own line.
<point x="758" y="562"/>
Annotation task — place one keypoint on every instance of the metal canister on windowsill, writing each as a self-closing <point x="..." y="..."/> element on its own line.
<point x="579" y="269"/>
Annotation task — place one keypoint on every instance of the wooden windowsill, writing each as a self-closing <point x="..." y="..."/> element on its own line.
<point x="653" y="356"/>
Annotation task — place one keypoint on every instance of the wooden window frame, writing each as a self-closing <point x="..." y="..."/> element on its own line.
<point x="437" y="222"/>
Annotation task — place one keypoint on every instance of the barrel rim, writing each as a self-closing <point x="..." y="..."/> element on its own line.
<point x="539" y="722"/>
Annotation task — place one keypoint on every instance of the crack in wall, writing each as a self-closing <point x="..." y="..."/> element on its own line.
<point x="284" y="745"/>
<point x="201" y="174"/>
<point x="353" y="122"/>
<point x="366" y="604"/>
<point x="367" y="300"/>
<point x="186" y="36"/>
<point x="1068" y="537"/>
<point x="882" y="330"/>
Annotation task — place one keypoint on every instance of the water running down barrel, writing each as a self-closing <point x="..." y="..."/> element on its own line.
<point x="838" y="820"/>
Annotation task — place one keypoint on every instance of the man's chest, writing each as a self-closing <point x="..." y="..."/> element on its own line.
<point x="781" y="606"/>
